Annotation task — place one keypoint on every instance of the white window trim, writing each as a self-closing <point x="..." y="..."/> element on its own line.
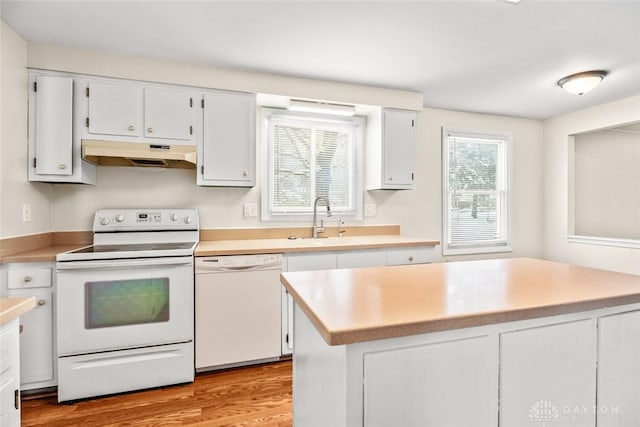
<point x="470" y="249"/>
<point x="265" y="214"/>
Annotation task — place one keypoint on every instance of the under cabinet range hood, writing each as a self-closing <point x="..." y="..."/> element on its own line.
<point x="111" y="153"/>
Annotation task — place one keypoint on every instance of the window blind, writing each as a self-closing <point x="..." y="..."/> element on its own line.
<point x="309" y="159"/>
<point x="475" y="191"/>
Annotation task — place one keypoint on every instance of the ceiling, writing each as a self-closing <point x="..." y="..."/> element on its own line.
<point x="484" y="56"/>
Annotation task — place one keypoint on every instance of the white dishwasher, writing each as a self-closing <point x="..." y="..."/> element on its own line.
<point x="237" y="308"/>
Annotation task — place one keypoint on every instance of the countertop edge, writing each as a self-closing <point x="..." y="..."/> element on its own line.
<point x="11" y="308"/>
<point x="480" y="319"/>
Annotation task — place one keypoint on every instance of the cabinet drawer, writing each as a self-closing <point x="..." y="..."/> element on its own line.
<point x="29" y="278"/>
<point x="414" y="255"/>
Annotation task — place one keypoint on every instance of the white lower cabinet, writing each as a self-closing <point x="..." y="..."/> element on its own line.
<point x="9" y="375"/>
<point x="619" y="370"/>
<point x="37" y="343"/>
<point x="343" y="259"/>
<point x="450" y="383"/>
<point x="548" y="375"/>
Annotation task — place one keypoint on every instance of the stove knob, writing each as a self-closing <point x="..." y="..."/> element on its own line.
<point x="104" y="221"/>
<point x="119" y="217"/>
<point x="188" y="220"/>
<point x="175" y="217"/>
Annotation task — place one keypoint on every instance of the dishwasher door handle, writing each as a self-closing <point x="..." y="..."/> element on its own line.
<point x="217" y="268"/>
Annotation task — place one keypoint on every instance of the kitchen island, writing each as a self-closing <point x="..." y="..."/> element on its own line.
<point x="509" y="342"/>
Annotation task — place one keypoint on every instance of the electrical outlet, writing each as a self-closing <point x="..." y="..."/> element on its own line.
<point x="250" y="210"/>
<point x="26" y="212"/>
<point x="370" y="209"/>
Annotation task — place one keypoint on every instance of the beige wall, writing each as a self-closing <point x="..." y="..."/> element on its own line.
<point x="556" y="176"/>
<point x="607" y="184"/>
<point x="14" y="187"/>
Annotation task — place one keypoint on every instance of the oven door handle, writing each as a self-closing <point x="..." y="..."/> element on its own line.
<point x="123" y="263"/>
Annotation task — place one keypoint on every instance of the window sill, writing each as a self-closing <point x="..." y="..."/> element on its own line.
<point x="605" y="241"/>
<point x="476" y="250"/>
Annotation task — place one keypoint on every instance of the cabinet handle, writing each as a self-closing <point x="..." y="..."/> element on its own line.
<point x="150" y="130"/>
<point x="131" y="128"/>
<point x="27" y="279"/>
<point x="245" y="173"/>
<point x="16" y="399"/>
<point x="410" y="258"/>
<point x="390" y="178"/>
<point x="41" y="302"/>
<point x="21" y="329"/>
<point x="62" y="166"/>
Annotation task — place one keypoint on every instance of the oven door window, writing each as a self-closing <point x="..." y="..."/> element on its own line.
<point x="126" y="302"/>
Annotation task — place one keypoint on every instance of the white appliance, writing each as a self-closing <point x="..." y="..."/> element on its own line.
<point x="238" y="317"/>
<point x="125" y="304"/>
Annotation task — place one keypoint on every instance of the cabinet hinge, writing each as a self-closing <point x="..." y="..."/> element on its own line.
<point x="35" y="162"/>
<point x="190" y="102"/>
<point x="86" y="122"/>
<point x="35" y="86"/>
<point x="87" y="91"/>
<point x="202" y="170"/>
<point x="16" y="399"/>
<point x="190" y="130"/>
<point x="202" y="103"/>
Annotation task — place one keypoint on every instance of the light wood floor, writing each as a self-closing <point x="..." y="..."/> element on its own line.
<point x="253" y="396"/>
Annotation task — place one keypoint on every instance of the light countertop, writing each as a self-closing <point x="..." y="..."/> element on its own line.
<point x="10" y="308"/>
<point x="284" y="245"/>
<point x="355" y="305"/>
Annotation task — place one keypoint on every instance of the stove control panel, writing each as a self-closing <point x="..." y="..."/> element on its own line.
<point x="113" y="220"/>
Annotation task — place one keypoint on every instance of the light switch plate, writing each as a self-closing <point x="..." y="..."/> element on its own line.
<point x="250" y="210"/>
<point x="370" y="209"/>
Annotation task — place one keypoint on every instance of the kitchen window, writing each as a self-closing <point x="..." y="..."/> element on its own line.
<point x="310" y="156"/>
<point x="476" y="170"/>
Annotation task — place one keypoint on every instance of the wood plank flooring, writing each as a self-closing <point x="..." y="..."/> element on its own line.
<point x="252" y="396"/>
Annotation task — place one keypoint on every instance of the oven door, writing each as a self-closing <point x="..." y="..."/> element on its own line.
<point x="117" y="304"/>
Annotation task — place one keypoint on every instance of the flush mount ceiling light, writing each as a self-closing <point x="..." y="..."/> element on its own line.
<point x="581" y="83"/>
<point x="322" y="107"/>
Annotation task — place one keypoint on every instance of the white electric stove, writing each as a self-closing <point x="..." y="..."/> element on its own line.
<point x="125" y="304"/>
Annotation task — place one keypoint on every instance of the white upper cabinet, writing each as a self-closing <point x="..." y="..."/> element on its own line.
<point x="54" y="150"/>
<point x="391" y="149"/>
<point x="131" y="111"/>
<point x="167" y="114"/>
<point x="114" y="109"/>
<point x="226" y="156"/>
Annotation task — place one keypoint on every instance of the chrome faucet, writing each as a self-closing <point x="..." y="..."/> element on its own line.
<point x="316" y="229"/>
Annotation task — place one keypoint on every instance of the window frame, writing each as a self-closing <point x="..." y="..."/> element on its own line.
<point x="505" y="197"/>
<point x="266" y="165"/>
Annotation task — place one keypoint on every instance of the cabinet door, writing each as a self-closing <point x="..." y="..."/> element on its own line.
<point x="36" y="340"/>
<point x="228" y="143"/>
<point x="399" y="143"/>
<point x="451" y="383"/>
<point x="619" y="370"/>
<point x="115" y="109"/>
<point x="303" y="262"/>
<point x="9" y="369"/>
<point x="544" y="371"/>
<point x="167" y="114"/>
<point x="53" y="125"/>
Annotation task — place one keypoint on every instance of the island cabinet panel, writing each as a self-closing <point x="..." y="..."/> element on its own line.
<point x="619" y="370"/>
<point x="451" y="383"/>
<point x="548" y="374"/>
